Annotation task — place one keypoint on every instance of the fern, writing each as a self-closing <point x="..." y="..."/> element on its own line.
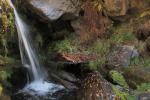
<point x="118" y="78"/>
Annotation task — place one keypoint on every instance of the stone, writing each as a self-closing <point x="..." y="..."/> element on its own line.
<point x="142" y="30"/>
<point x="76" y="25"/>
<point x="94" y="87"/>
<point x="116" y="7"/>
<point x="121" y="55"/>
<point x="136" y="76"/>
<point x="19" y="77"/>
<point x="65" y="83"/>
<point x="139" y="4"/>
<point x="67" y="76"/>
<point x="148" y="45"/>
<point x="54" y="9"/>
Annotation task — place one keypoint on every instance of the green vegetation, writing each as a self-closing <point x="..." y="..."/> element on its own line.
<point x="65" y="46"/>
<point x="5" y="72"/>
<point x="140" y="61"/>
<point x="94" y="65"/>
<point x="4" y="75"/>
<point x="123" y="95"/>
<point x="100" y="47"/>
<point x="123" y="38"/>
<point x="118" y="78"/>
<point x="140" y="46"/>
<point x="7" y="29"/>
<point x="144" y="87"/>
<point x="1" y="89"/>
<point x="7" y="34"/>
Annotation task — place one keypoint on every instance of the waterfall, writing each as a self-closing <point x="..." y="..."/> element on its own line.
<point x="26" y="48"/>
<point x="30" y="60"/>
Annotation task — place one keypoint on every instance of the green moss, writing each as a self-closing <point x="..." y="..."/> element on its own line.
<point x="118" y="78"/>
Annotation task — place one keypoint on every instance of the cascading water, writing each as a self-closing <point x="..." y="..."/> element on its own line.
<point x="30" y="60"/>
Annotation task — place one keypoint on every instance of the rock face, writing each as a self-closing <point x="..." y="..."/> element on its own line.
<point x="116" y="7"/>
<point x="136" y="76"/>
<point x="121" y="55"/>
<point x="121" y="7"/>
<point x="53" y="9"/>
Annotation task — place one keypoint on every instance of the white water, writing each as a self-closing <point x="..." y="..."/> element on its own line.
<point x="30" y="60"/>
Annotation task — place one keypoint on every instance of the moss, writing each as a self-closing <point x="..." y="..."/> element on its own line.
<point x="118" y="78"/>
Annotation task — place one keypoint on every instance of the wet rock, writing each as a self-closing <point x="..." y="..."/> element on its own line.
<point x="19" y="78"/>
<point x="65" y="83"/>
<point x="67" y="76"/>
<point x="121" y="55"/>
<point x="94" y="87"/>
<point x="59" y="95"/>
<point x="54" y="9"/>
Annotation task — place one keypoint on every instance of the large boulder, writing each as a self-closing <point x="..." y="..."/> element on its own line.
<point x="121" y="55"/>
<point x="53" y="9"/>
<point x="94" y="87"/>
<point x="116" y="7"/>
